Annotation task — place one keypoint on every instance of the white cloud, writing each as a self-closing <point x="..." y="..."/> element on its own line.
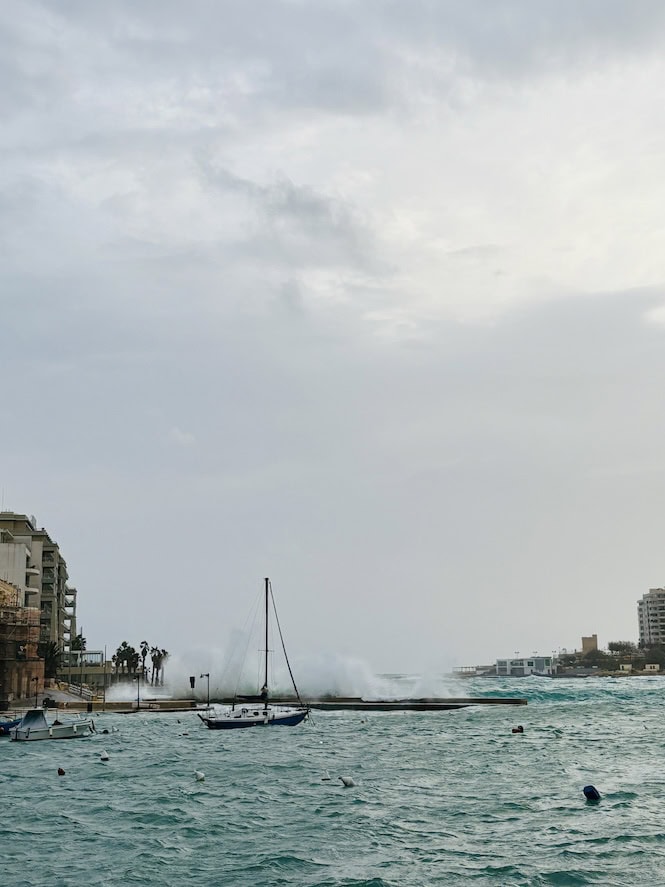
<point x="181" y="438"/>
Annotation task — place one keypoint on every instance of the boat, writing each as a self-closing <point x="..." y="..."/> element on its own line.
<point x="33" y="726"/>
<point x="255" y="711"/>
<point x="7" y="724"/>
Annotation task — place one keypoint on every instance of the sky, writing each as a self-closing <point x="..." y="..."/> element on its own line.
<point x="366" y="297"/>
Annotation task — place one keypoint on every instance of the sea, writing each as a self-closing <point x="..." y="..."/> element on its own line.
<point x="445" y="798"/>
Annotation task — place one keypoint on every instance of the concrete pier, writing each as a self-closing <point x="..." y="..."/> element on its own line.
<point x="327" y="703"/>
<point x="426" y="704"/>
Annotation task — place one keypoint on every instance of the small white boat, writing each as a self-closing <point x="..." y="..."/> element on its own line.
<point x="34" y="726"/>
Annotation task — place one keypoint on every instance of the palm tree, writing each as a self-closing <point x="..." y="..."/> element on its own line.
<point x="158" y="658"/>
<point x="120" y="657"/>
<point x="162" y="662"/>
<point x="79" y="643"/>
<point x="144" y="647"/>
<point x="51" y="654"/>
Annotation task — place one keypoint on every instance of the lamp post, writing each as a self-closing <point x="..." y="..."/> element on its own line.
<point x="207" y="675"/>
<point x="138" y="692"/>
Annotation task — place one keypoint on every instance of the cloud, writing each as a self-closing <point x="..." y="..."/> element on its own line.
<point x="396" y="269"/>
<point x="181" y="438"/>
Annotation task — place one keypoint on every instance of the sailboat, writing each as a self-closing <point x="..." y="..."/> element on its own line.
<point x="255" y="711"/>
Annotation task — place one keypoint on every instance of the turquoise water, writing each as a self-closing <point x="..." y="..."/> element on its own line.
<point x="441" y="798"/>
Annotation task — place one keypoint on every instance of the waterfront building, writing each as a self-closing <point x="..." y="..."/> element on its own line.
<point x="21" y="669"/>
<point x="33" y="562"/>
<point x="651" y="617"/>
<point x="519" y="668"/>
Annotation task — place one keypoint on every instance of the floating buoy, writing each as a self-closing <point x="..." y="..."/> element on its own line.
<point x="347" y="781"/>
<point x="199" y="776"/>
<point x="591" y="793"/>
<point x="325" y="777"/>
<point x="104" y="756"/>
<point x="519" y="729"/>
<point x="105" y="731"/>
<point x="61" y="772"/>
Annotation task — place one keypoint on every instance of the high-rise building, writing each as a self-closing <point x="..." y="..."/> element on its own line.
<point x="651" y="617"/>
<point x="32" y="561"/>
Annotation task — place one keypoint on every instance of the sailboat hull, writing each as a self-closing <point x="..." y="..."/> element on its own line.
<point x="241" y="718"/>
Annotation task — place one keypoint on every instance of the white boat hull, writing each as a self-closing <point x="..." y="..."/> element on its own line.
<point x="34" y="727"/>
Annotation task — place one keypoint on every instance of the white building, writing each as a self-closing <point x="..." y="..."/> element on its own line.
<point x="651" y="617"/>
<point x="519" y="668"/>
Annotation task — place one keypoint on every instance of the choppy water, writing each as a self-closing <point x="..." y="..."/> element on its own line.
<point x="441" y="798"/>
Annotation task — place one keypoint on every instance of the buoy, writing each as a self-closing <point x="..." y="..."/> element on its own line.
<point x="105" y="731"/>
<point x="61" y="772"/>
<point x="104" y="756"/>
<point x="347" y="781"/>
<point x="519" y="729"/>
<point x="199" y="776"/>
<point x="591" y="793"/>
<point x="325" y="777"/>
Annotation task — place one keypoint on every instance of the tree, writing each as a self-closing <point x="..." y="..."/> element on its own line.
<point x="158" y="658"/>
<point x="51" y="653"/>
<point x="624" y="647"/>
<point x="79" y="643"/>
<point x="127" y="657"/>
<point x="144" y="647"/>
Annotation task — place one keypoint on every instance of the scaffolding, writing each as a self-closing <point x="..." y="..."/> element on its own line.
<point x="21" y="669"/>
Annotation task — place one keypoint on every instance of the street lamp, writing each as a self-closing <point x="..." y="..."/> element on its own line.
<point x="138" y="692"/>
<point x="207" y="675"/>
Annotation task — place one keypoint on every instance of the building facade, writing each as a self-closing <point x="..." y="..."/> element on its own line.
<point x="32" y="561"/>
<point x="519" y="668"/>
<point x="21" y="668"/>
<point x="651" y="617"/>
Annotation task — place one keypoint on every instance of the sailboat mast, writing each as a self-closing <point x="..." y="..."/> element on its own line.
<point x="265" y="681"/>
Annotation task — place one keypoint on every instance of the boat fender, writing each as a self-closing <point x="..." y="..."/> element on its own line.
<point x="347" y="781"/>
<point x="104" y="756"/>
<point x="199" y="775"/>
<point x="591" y="793"/>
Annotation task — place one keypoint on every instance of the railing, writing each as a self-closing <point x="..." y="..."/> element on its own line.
<point x="80" y="690"/>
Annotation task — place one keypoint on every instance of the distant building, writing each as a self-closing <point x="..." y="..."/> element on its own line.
<point x="519" y="668"/>
<point x="651" y="617"/>
<point x="32" y="561"/>
<point x="590" y="644"/>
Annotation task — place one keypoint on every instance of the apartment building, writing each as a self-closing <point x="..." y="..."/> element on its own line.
<point x="651" y="617"/>
<point x="33" y="562"/>
<point x="21" y="668"/>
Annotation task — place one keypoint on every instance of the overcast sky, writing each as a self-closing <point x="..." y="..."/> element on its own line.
<point x="367" y="297"/>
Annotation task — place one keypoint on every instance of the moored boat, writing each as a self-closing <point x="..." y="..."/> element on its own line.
<point x="7" y="724"/>
<point x="255" y="711"/>
<point x="34" y="726"/>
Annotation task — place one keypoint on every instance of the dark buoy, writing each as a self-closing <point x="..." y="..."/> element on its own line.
<point x="519" y="729"/>
<point x="591" y="793"/>
<point x="61" y="772"/>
